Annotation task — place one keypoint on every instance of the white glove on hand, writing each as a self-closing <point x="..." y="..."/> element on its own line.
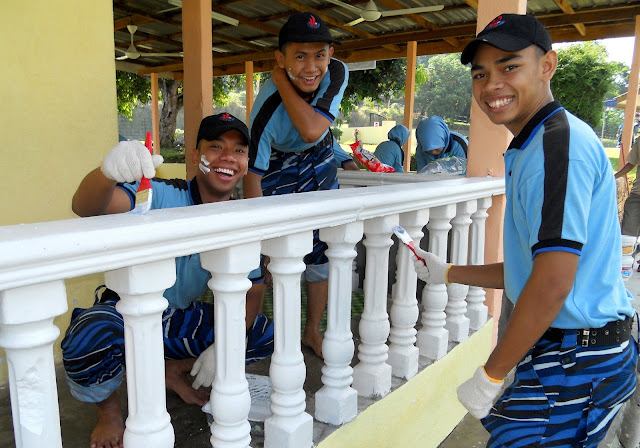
<point x="128" y="161"/>
<point x="479" y="393"/>
<point x="204" y="368"/>
<point x="435" y="272"/>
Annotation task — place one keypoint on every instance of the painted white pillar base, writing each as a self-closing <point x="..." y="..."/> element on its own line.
<point x="336" y="406"/>
<point x="372" y="380"/>
<point x="292" y="432"/>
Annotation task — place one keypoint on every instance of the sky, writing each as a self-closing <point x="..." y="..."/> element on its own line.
<point x="619" y="48"/>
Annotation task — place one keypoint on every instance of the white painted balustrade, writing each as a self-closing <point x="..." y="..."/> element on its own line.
<point x="137" y="255"/>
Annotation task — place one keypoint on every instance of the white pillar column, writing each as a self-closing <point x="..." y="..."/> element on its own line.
<point x="476" y="309"/>
<point x="433" y="337"/>
<point x="372" y="375"/>
<point x="337" y="401"/>
<point x="457" y="323"/>
<point x="27" y="334"/>
<point x="403" y="353"/>
<point x="289" y="426"/>
<point x="230" y="399"/>
<point x="141" y="304"/>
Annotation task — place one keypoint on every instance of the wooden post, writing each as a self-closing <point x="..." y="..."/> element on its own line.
<point x="248" y="72"/>
<point x="155" y="119"/>
<point x="409" y="94"/>
<point x="198" y="71"/>
<point x="632" y="99"/>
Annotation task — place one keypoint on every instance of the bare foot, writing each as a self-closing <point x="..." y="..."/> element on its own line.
<point x="176" y="380"/>
<point x="313" y="340"/>
<point x="109" y="430"/>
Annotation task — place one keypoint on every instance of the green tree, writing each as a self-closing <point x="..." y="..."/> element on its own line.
<point x="447" y="90"/>
<point x="131" y="89"/>
<point x="583" y="79"/>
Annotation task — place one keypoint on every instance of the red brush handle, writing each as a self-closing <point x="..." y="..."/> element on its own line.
<point x="148" y="142"/>
<point x="144" y="182"/>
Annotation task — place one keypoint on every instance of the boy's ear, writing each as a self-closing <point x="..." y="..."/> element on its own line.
<point x="280" y="58"/>
<point x="331" y="50"/>
<point x="549" y="64"/>
<point x="195" y="156"/>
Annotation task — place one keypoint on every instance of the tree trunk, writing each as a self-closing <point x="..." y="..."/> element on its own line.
<point x="172" y="102"/>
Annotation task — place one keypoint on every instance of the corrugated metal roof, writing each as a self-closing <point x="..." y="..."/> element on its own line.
<point x="254" y="39"/>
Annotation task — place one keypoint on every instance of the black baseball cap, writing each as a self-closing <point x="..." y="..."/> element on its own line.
<point x="305" y="27"/>
<point x="214" y="126"/>
<point x="509" y="32"/>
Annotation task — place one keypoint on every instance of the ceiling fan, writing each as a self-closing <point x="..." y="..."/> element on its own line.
<point x="371" y="13"/>
<point x="133" y="53"/>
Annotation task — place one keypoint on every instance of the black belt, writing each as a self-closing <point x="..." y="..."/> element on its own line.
<point x="613" y="333"/>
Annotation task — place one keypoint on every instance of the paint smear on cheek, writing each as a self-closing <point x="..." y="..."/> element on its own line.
<point x="291" y="77"/>
<point x="204" y="163"/>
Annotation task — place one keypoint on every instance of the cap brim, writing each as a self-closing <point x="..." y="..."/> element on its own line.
<point x="213" y="133"/>
<point x="504" y="42"/>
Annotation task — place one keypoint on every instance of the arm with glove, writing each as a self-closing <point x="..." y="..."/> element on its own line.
<point x="538" y="305"/>
<point x="97" y="194"/>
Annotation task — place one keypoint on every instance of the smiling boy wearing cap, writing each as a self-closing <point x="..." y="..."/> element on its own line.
<point x="569" y="336"/>
<point x="291" y="144"/>
<point x="95" y="365"/>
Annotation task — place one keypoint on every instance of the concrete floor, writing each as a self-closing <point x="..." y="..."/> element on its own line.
<point x="190" y="423"/>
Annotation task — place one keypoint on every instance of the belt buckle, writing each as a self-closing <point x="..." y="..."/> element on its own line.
<point x="585" y="338"/>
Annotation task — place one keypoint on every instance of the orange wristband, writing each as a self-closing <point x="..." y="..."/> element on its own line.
<point x="493" y="380"/>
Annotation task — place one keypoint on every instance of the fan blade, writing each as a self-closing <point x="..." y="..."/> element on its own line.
<point x="122" y="58"/>
<point x="420" y="10"/>
<point x="355" y="22"/>
<point x="345" y="5"/>
<point x="163" y="54"/>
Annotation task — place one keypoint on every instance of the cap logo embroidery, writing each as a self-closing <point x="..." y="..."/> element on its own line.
<point x="312" y="23"/>
<point x="226" y="117"/>
<point x="496" y="22"/>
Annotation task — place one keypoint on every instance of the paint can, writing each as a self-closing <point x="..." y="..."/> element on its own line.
<point x="627" y="267"/>
<point x="628" y="244"/>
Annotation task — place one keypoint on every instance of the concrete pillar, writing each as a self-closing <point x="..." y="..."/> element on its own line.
<point x="487" y="143"/>
<point x="632" y="99"/>
<point x="410" y="90"/>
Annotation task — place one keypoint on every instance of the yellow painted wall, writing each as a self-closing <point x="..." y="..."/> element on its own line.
<point x="58" y="112"/>
<point x="422" y="412"/>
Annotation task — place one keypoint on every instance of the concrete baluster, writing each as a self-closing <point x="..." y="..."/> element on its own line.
<point x="141" y="304"/>
<point x="457" y="323"/>
<point x="433" y="337"/>
<point x="27" y="334"/>
<point x="289" y="426"/>
<point x="230" y="398"/>
<point x="372" y="375"/>
<point x="403" y="353"/>
<point x="337" y="401"/>
<point x="476" y="309"/>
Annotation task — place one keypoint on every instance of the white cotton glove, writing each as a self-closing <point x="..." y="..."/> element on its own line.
<point x="204" y="368"/>
<point x="128" y="161"/>
<point x="435" y="272"/>
<point x="479" y="393"/>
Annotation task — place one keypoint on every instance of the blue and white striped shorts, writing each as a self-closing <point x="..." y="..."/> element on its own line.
<point x="93" y="346"/>
<point x="563" y="395"/>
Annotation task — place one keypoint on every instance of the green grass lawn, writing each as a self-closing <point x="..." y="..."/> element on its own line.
<point x="614" y="155"/>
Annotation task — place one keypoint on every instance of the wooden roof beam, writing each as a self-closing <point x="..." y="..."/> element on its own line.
<point x="134" y="19"/>
<point x="568" y="9"/>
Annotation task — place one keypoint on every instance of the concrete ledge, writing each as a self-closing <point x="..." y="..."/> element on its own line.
<point x="423" y="411"/>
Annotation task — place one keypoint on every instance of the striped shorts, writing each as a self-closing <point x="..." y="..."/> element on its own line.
<point x="93" y="346"/>
<point x="563" y="395"/>
<point x="299" y="172"/>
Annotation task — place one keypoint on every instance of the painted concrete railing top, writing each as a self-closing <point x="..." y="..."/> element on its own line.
<point x="41" y="252"/>
<point x="137" y="254"/>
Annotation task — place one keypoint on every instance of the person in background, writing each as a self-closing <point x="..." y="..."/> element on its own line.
<point x="636" y="128"/>
<point x="390" y="152"/>
<point x="631" y="216"/>
<point x="569" y="335"/>
<point x="343" y="159"/>
<point x="93" y="346"/>
<point x="291" y="148"/>
<point x="436" y="141"/>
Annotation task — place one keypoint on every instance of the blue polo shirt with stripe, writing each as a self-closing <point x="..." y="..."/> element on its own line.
<point x="271" y="127"/>
<point x="561" y="196"/>
<point x="191" y="277"/>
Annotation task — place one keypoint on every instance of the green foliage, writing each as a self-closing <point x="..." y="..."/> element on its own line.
<point x="131" y="89"/>
<point x="383" y="83"/>
<point x="582" y="80"/>
<point x="447" y="90"/>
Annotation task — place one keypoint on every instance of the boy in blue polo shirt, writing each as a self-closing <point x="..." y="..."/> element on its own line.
<point x="93" y="347"/>
<point x="291" y="146"/>
<point x="569" y="336"/>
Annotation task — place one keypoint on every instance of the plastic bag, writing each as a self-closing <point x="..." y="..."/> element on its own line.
<point x="371" y="162"/>
<point x="448" y="165"/>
